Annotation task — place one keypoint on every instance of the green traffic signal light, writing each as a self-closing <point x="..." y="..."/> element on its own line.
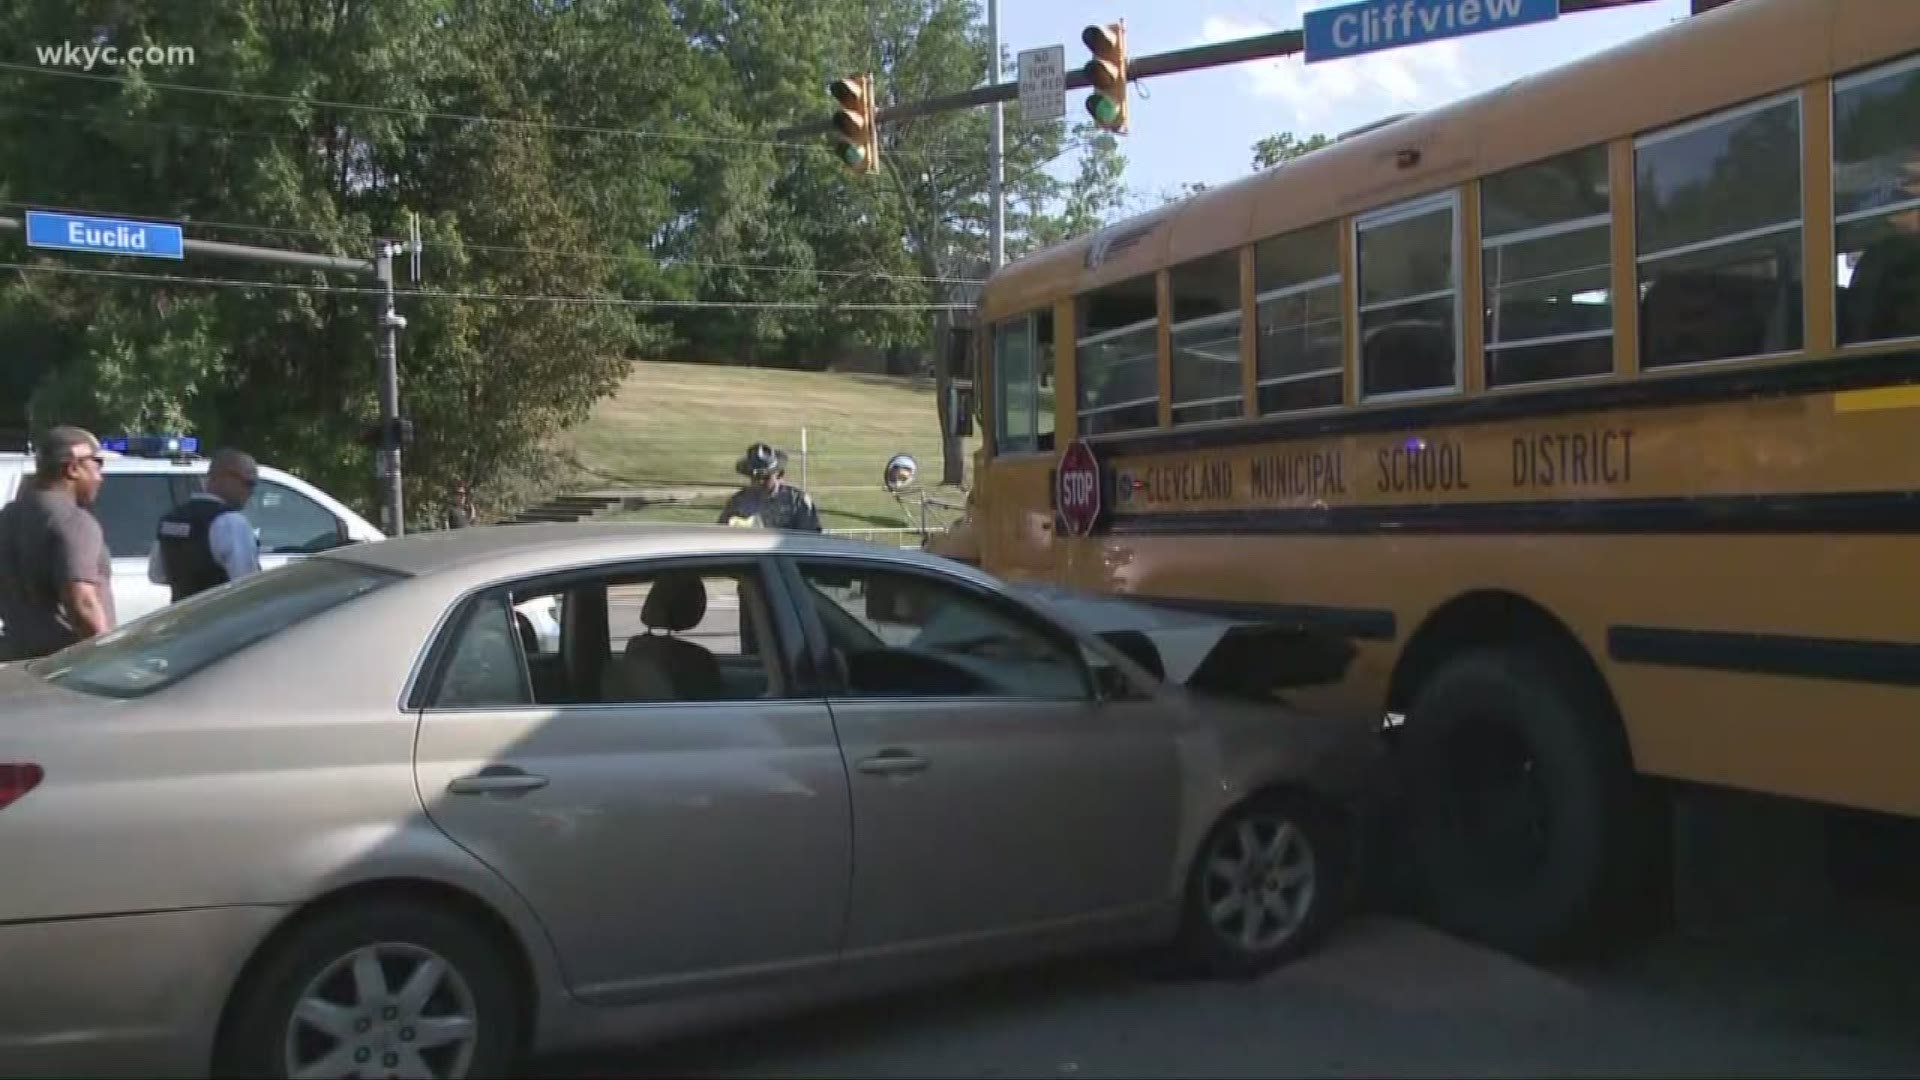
<point x="853" y="155"/>
<point x="1104" y="109"/>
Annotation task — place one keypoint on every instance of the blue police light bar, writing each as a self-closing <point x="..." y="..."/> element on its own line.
<point x="152" y="445"/>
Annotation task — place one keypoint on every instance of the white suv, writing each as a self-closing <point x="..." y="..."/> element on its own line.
<point x="146" y="477"/>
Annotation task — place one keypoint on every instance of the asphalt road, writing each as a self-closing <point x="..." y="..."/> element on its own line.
<point x="1383" y="998"/>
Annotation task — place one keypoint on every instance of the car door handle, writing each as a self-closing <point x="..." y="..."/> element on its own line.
<point x="496" y="779"/>
<point x="893" y="763"/>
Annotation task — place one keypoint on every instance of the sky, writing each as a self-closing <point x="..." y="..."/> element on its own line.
<point x="1201" y="126"/>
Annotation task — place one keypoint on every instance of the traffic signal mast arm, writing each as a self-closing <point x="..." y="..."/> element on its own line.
<point x="1266" y="46"/>
<point x="1198" y="58"/>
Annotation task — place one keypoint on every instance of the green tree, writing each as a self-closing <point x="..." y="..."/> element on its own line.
<point x="1279" y="149"/>
<point x="1097" y="192"/>
<point x="290" y="373"/>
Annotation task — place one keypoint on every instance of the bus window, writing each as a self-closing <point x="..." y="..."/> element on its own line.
<point x="1409" y="296"/>
<point x="1876" y="202"/>
<point x="1023" y="384"/>
<point x="1296" y="281"/>
<point x="1547" y="257"/>
<point x="1206" y="339"/>
<point x="1717" y="224"/>
<point x="1116" y="357"/>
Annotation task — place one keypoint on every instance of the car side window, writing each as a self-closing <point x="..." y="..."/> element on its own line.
<point x="289" y="523"/>
<point x="485" y="669"/>
<point x="652" y="636"/>
<point x="898" y="633"/>
<point x="129" y="508"/>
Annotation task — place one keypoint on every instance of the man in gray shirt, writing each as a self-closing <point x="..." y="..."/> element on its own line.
<point x="56" y="576"/>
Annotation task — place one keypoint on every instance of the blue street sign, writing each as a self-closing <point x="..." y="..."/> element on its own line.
<point x="1353" y="29"/>
<point x="104" y="236"/>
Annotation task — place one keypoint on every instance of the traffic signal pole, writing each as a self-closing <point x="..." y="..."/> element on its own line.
<point x="387" y="350"/>
<point x="389" y="355"/>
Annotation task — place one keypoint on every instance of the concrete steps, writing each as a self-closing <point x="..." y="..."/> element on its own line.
<point x="570" y="508"/>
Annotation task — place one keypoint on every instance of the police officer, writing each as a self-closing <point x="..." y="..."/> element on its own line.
<point x="56" y="574"/>
<point x="767" y="500"/>
<point x="207" y="540"/>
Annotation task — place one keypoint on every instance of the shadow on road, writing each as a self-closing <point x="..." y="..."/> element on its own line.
<point x="1386" y="997"/>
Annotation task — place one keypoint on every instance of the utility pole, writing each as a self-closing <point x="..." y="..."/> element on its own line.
<point x="391" y="427"/>
<point x="996" y="136"/>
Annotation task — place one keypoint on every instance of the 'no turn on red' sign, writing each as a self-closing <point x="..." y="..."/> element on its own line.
<point x="1077" y="488"/>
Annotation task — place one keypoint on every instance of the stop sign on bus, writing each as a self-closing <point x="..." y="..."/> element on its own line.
<point x="1077" y="488"/>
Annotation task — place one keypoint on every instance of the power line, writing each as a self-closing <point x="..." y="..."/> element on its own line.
<point x="451" y="117"/>
<point x="607" y="256"/>
<point x="432" y="294"/>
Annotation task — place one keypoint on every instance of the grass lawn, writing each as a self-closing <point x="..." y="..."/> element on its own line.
<point x="685" y="425"/>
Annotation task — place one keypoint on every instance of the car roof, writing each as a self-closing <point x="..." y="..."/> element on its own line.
<point x="510" y="549"/>
<point x="113" y="462"/>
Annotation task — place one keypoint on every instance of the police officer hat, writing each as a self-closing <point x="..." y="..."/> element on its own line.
<point x="761" y="459"/>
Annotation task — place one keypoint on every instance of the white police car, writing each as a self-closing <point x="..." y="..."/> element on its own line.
<point x="148" y="475"/>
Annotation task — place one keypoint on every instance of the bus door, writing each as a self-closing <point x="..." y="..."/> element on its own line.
<point x="1013" y="506"/>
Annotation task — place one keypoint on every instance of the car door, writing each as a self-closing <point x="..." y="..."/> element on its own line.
<point x="994" y="792"/>
<point x="672" y="834"/>
<point x="289" y="525"/>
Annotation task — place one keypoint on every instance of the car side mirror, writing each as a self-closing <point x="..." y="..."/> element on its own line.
<point x="1110" y="684"/>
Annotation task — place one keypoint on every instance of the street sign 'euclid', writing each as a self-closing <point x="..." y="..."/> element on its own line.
<point x="1353" y="29"/>
<point x="104" y="236"/>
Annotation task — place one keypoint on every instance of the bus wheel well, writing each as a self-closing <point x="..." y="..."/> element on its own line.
<point x="456" y="902"/>
<point x="1493" y="618"/>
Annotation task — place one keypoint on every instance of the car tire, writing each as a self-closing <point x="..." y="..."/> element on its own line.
<point x="1519" y="800"/>
<point x="310" y="983"/>
<point x="1265" y="886"/>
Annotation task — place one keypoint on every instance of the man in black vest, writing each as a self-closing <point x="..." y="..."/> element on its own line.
<point x="207" y="541"/>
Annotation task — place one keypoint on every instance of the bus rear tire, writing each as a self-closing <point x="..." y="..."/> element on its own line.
<point x="1520" y="803"/>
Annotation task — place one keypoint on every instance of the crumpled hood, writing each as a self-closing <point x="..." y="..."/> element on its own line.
<point x="1209" y="654"/>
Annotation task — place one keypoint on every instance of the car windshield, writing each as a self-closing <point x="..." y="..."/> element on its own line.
<point x="159" y="650"/>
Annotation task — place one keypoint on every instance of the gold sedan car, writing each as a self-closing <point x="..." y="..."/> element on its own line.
<point x="353" y="817"/>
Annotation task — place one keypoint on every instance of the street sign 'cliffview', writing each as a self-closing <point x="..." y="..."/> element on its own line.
<point x="104" y="236"/>
<point x="1353" y="29"/>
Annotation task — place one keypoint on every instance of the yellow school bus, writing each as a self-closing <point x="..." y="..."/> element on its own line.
<point x="1588" y="408"/>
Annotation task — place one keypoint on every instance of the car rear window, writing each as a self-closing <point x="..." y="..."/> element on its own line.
<point x="155" y="652"/>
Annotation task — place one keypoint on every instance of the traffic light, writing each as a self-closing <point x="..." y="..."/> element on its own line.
<point x="1107" y="71"/>
<point x="392" y="434"/>
<point x="853" y="124"/>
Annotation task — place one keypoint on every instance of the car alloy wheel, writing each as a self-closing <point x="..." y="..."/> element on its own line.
<point x="384" y="1010"/>
<point x="1260" y="882"/>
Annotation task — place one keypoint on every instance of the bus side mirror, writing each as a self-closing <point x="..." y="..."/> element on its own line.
<point x="960" y="411"/>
